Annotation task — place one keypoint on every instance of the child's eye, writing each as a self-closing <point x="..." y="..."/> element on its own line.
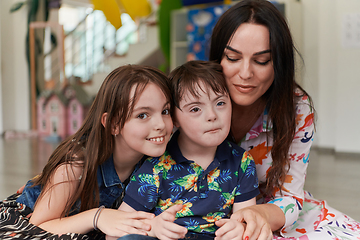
<point x="220" y="103"/>
<point x="165" y="112"/>
<point x="195" y="109"/>
<point x="142" y="116"/>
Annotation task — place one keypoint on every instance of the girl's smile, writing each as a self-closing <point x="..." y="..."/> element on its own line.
<point x="148" y="129"/>
<point x="157" y="139"/>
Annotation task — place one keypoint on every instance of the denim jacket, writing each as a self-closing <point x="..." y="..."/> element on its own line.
<point x="111" y="189"/>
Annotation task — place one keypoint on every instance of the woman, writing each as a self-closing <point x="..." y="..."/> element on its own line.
<point x="273" y="118"/>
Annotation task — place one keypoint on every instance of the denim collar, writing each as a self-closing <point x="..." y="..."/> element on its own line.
<point x="222" y="152"/>
<point x="109" y="173"/>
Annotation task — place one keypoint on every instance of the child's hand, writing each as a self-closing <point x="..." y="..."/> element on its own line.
<point x="119" y="223"/>
<point x="163" y="226"/>
<point x="229" y="229"/>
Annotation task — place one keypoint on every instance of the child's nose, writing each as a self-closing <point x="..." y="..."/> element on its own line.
<point x="211" y="115"/>
<point x="159" y="123"/>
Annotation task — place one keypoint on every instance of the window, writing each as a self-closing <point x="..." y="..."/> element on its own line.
<point x="54" y="107"/>
<point x="75" y="125"/>
<point x="74" y="108"/>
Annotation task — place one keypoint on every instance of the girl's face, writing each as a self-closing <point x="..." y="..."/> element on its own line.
<point x="148" y="129"/>
<point x="247" y="64"/>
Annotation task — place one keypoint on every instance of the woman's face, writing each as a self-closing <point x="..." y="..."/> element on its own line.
<point x="247" y="64"/>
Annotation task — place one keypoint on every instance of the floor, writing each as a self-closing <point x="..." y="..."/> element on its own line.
<point x="333" y="177"/>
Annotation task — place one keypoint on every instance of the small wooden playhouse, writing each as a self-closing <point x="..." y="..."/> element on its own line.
<point x="61" y="113"/>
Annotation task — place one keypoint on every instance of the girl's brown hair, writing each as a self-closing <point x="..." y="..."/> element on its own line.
<point x="93" y="143"/>
<point x="281" y="98"/>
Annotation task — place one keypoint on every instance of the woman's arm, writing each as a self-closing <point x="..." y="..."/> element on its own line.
<point x="261" y="220"/>
<point x="284" y="209"/>
<point x="290" y="199"/>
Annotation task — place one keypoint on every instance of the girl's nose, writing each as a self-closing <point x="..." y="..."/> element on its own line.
<point x="159" y="123"/>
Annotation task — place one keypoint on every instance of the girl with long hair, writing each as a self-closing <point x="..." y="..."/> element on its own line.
<point x="82" y="185"/>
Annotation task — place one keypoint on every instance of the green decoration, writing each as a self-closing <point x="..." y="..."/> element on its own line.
<point x="164" y="12"/>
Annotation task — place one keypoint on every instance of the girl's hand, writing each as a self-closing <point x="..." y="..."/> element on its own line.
<point x="256" y="224"/>
<point x="119" y="223"/>
<point x="229" y="229"/>
<point x="163" y="226"/>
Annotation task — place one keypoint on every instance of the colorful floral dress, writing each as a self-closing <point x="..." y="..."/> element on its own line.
<point x="306" y="217"/>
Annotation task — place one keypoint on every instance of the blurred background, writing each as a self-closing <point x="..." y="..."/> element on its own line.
<point x="56" y="53"/>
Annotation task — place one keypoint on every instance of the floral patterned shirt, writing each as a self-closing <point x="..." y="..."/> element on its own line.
<point x="259" y="146"/>
<point x="207" y="195"/>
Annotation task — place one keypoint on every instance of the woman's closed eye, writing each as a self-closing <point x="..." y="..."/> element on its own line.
<point x="231" y="59"/>
<point x="262" y="62"/>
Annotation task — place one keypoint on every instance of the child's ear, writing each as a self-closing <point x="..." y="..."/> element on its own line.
<point x="176" y="124"/>
<point x="114" y="128"/>
<point x="103" y="119"/>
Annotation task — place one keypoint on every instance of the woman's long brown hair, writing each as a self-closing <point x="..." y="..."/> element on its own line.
<point x="93" y="143"/>
<point x="280" y="97"/>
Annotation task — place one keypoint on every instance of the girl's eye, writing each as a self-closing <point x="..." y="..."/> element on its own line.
<point x="195" y="109"/>
<point x="166" y="112"/>
<point x="231" y="59"/>
<point x="262" y="63"/>
<point x="220" y="103"/>
<point x="142" y="116"/>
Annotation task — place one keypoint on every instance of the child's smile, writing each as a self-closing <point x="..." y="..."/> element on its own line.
<point x="159" y="140"/>
<point x="148" y="129"/>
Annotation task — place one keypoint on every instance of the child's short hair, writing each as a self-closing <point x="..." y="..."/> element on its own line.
<point x="188" y="76"/>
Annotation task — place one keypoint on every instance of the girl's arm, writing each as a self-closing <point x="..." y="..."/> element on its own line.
<point x="51" y="204"/>
<point x="48" y="209"/>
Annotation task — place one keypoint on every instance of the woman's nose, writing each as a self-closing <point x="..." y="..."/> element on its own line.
<point x="245" y="71"/>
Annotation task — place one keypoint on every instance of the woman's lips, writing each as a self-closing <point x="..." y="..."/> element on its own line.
<point x="244" y="89"/>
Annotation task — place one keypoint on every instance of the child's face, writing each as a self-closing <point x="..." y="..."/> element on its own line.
<point x="203" y="121"/>
<point x="148" y="129"/>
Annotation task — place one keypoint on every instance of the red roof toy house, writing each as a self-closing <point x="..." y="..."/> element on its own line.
<point x="61" y="113"/>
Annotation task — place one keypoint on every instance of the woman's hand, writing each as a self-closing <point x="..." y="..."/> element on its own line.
<point x="163" y="226"/>
<point x="229" y="229"/>
<point x="258" y="223"/>
<point x="119" y="223"/>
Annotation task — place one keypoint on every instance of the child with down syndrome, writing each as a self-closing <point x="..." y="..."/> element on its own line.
<point x="202" y="178"/>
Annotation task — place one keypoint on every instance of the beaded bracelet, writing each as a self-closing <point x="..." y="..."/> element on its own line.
<point x="96" y="217"/>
